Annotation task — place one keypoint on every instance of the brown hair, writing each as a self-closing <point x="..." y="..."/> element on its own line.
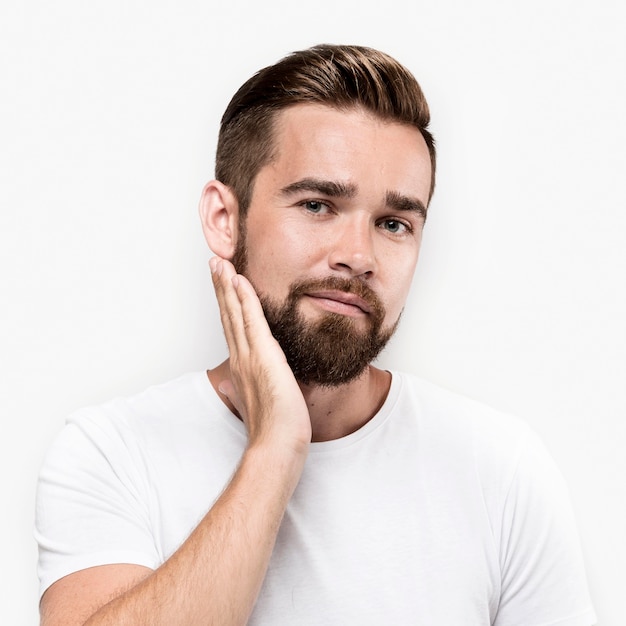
<point x="342" y="77"/>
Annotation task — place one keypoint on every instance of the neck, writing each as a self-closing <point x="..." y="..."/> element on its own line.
<point x="338" y="411"/>
<point x="335" y="411"/>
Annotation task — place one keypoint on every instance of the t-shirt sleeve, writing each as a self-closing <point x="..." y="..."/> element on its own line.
<point x="90" y="509"/>
<point x="541" y="564"/>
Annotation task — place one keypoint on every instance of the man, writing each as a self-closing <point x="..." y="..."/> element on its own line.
<point x="296" y="483"/>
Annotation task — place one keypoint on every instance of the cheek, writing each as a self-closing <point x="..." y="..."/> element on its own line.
<point x="399" y="283"/>
<point x="285" y="247"/>
<point x="277" y="259"/>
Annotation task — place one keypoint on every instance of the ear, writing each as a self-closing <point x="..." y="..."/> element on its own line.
<point x="219" y="214"/>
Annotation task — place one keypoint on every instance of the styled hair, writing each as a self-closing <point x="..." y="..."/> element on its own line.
<point x="342" y="77"/>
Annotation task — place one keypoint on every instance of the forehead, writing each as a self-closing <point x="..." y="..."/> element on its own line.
<point x="352" y="146"/>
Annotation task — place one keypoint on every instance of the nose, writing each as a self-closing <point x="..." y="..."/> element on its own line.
<point x="352" y="249"/>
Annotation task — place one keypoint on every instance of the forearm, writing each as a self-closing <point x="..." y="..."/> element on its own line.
<point x="215" y="576"/>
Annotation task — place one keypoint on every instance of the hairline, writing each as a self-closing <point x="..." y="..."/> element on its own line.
<point x="274" y="119"/>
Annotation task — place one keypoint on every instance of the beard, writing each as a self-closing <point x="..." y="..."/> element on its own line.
<point x="334" y="349"/>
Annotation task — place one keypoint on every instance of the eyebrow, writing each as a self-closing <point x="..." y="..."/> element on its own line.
<point x="338" y="189"/>
<point x="331" y="188"/>
<point x="400" y="202"/>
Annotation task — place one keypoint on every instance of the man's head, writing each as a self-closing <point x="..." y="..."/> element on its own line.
<point x="341" y="77"/>
<point x="325" y="169"/>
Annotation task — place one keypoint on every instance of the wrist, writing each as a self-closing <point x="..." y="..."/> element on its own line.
<point x="277" y="462"/>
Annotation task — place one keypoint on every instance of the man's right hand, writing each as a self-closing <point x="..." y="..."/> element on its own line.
<point x="262" y="386"/>
<point x="216" y="574"/>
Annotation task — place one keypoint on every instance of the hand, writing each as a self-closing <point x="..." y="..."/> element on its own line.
<point x="262" y="386"/>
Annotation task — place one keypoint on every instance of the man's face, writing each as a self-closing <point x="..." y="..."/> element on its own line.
<point x="332" y="236"/>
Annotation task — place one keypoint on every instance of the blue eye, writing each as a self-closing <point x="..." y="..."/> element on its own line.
<point x="315" y="206"/>
<point x="394" y="226"/>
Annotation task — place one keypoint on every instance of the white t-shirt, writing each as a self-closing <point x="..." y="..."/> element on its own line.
<point x="439" y="511"/>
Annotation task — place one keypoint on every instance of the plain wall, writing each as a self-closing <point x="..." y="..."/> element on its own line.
<point x="108" y="120"/>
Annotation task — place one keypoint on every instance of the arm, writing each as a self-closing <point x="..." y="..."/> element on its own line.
<point x="541" y="563"/>
<point x="215" y="576"/>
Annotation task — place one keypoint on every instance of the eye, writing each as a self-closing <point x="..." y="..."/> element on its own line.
<point x="315" y="206"/>
<point x="396" y="227"/>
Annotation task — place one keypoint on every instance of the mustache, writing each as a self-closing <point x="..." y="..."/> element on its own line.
<point x="354" y="286"/>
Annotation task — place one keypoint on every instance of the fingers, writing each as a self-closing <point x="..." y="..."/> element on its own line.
<point x="260" y="385"/>
<point x="252" y="315"/>
<point x="222" y="273"/>
<point x="240" y="309"/>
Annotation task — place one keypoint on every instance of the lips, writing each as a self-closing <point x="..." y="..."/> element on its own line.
<point x="342" y="297"/>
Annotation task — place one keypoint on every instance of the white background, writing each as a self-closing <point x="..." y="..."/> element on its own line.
<point x="108" y="119"/>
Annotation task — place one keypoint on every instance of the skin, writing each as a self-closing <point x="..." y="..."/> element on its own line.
<point x="345" y="236"/>
<point x="371" y="233"/>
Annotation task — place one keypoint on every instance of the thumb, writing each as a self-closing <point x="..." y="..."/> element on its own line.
<point x="226" y="388"/>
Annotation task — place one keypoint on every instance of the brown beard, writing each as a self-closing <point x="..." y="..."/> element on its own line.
<point x="330" y="351"/>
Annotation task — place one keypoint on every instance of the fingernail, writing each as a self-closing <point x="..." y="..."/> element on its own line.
<point x="235" y="280"/>
<point x="212" y="264"/>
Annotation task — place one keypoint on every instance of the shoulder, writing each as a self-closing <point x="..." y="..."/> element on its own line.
<point x="444" y="413"/>
<point x="174" y="402"/>
<point x="154" y="402"/>
<point x="521" y="491"/>
<point x="157" y="422"/>
<point x="500" y="449"/>
<point x="121" y="471"/>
